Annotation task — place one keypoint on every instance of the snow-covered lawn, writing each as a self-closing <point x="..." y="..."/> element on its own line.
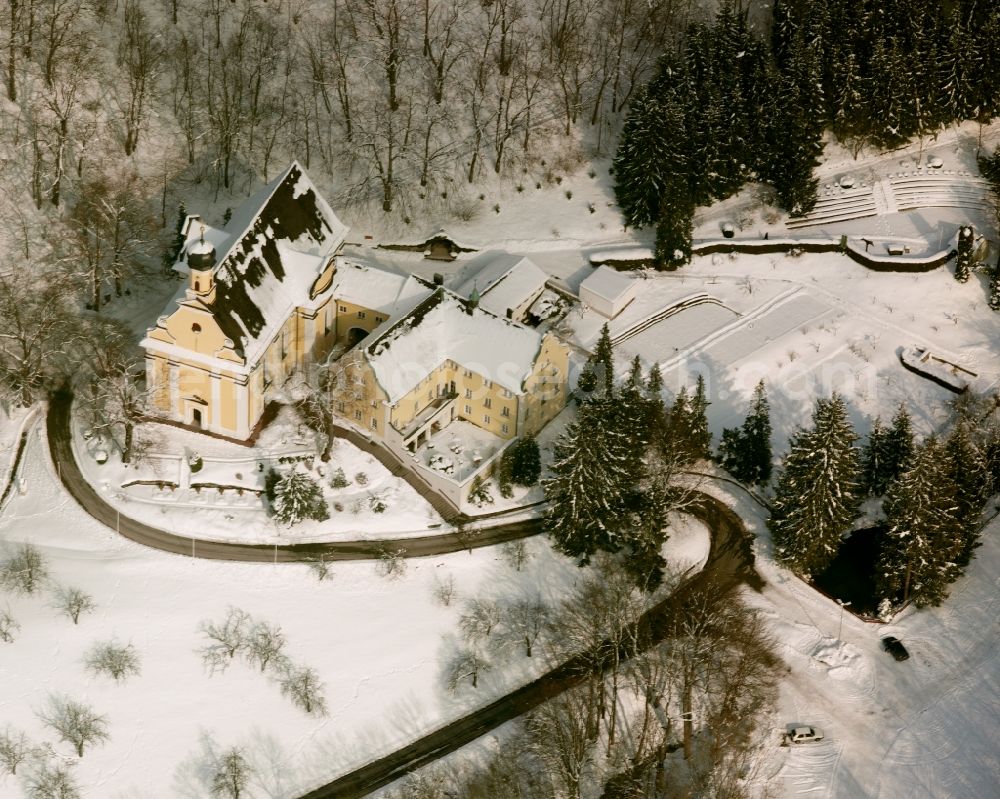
<point x="238" y="512"/>
<point x="377" y="644"/>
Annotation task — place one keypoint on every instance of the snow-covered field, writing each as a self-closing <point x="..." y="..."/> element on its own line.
<point x="378" y="645"/>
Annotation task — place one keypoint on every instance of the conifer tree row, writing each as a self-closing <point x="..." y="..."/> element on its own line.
<point x="728" y="107"/>
<point x="745" y="452"/>
<point x="611" y="487"/>
<point x="818" y="492"/>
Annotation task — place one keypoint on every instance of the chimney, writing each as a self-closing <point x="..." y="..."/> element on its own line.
<point x="438" y="279"/>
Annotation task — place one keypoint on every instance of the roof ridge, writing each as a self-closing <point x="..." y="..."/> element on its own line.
<point x="275" y="185"/>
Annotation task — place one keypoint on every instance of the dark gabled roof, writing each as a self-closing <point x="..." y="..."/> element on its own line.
<point x="291" y="216"/>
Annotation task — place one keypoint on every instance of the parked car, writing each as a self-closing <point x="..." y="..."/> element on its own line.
<point x="895" y="647"/>
<point x="803" y="735"/>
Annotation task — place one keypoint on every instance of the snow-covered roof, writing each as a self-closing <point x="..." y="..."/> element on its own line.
<point x="608" y="284"/>
<point x="447" y="327"/>
<point x="270" y="254"/>
<point x="377" y="289"/>
<point x="504" y="281"/>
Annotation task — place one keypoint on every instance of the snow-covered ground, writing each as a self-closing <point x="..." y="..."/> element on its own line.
<point x="378" y="645"/>
<point x="238" y="512"/>
<point x="925" y="727"/>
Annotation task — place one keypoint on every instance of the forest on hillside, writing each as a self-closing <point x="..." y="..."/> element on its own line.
<point x="381" y="99"/>
<point x="729" y="106"/>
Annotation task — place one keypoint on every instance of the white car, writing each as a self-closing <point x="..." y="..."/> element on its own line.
<point x="803" y="735"/>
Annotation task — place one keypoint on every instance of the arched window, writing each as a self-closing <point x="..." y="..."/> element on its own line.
<point x="197" y="286"/>
<point x="196" y="328"/>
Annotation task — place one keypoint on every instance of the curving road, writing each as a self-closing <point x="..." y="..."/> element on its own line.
<point x="61" y="450"/>
<point x="729" y="563"/>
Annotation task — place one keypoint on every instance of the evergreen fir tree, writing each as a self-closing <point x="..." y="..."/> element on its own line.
<point x="525" y="461"/>
<point x="898" y="449"/>
<point x="630" y="414"/>
<point x="817" y="495"/>
<point x="679" y="428"/>
<point x="298" y="497"/>
<point x="701" y="436"/>
<point x="966" y="466"/>
<point x="873" y="460"/>
<point x="922" y="543"/>
<point x="732" y="453"/>
<point x="587" y="381"/>
<point x="995" y="287"/>
<point x="656" y="412"/>
<point x="963" y="258"/>
<point x="757" y="439"/>
<point x="587" y="487"/>
<point x="604" y="362"/>
<point x="173" y="253"/>
<point x="675" y="228"/>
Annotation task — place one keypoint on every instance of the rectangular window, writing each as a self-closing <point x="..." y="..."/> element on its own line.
<point x="361" y="314"/>
<point x="468" y="373"/>
<point x="430" y="394"/>
<point x="357" y="415"/>
<point x="468" y="410"/>
<point x="374" y="403"/>
<point x="326" y="320"/>
<point x="343" y="309"/>
<point x="374" y="423"/>
<point x="486" y="419"/>
<point x="507" y="394"/>
<point x="468" y="393"/>
<point x="505" y="411"/>
<point x="488" y="402"/>
<point x="340" y="406"/>
<point x="505" y="428"/>
<point x="379" y="320"/>
<point x="489" y="384"/>
<point x="284" y="345"/>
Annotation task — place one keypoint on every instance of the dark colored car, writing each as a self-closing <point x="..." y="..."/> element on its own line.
<point x="895" y="648"/>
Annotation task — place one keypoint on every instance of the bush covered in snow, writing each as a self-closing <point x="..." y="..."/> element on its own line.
<point x="296" y="497"/>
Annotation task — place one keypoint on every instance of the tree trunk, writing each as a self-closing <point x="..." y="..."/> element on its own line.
<point x="688" y="720"/>
<point x="127" y="449"/>
<point x="12" y="56"/>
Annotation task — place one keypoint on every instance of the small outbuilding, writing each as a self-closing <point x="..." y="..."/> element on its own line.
<point x="608" y="292"/>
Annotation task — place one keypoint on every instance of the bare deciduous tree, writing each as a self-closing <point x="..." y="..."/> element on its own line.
<point x="523" y="622"/>
<point x="303" y="686"/>
<point x="48" y="780"/>
<point x="320" y="566"/>
<point x="226" y="640"/>
<point x="35" y="338"/>
<point x="9" y="626"/>
<point x="112" y="391"/>
<point x="232" y="775"/>
<point x="141" y="55"/>
<point x="467" y="664"/>
<point x="515" y="554"/>
<point x="264" y="645"/>
<point x="116" y="660"/>
<point x="14" y="750"/>
<point x="24" y="570"/>
<point x="480" y="618"/>
<point x="75" y="722"/>
<point x="444" y="589"/>
<point x="73" y="603"/>
<point x="391" y="563"/>
<point x="560" y="736"/>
